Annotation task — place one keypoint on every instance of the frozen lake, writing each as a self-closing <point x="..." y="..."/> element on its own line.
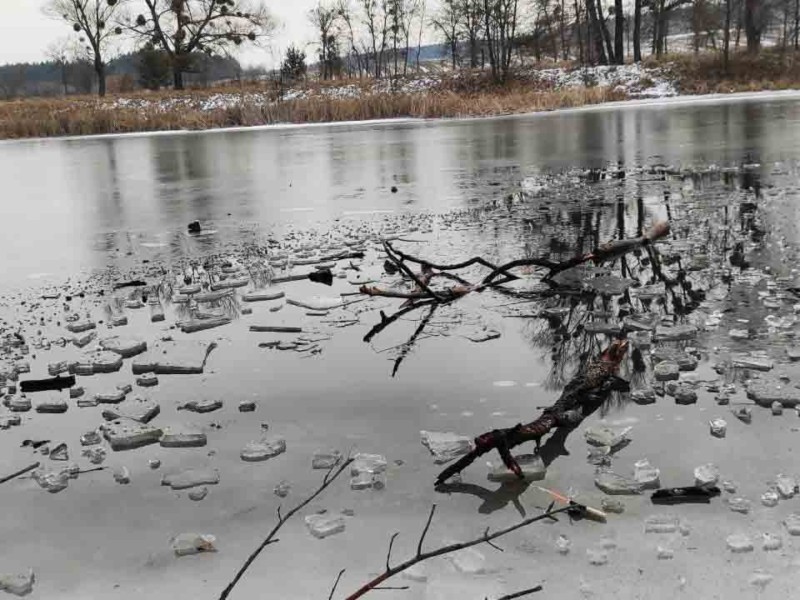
<point x="81" y="215"/>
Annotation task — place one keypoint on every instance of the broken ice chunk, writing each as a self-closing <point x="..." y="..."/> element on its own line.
<point x="326" y="460"/>
<point x="769" y="499"/>
<point x="533" y="469"/>
<point x="661" y="524"/>
<point x="263" y="450"/>
<point x="792" y="524"/>
<point x="707" y="474"/>
<point x="787" y="486"/>
<point x="322" y="526"/>
<point x="646" y="474"/>
<point x="614" y="484"/>
<point x="739" y="504"/>
<point x="718" y="427"/>
<point x="598" y="435"/>
<point x="17" y="584"/>
<point x="191" y="478"/>
<point x="445" y="446"/>
<point x="739" y="543"/>
<point x="186" y="544"/>
<point x="771" y="542"/>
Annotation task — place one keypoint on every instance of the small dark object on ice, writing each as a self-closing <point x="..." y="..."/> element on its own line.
<point x="43" y="385"/>
<point x="394" y="189"/>
<point x="694" y="494"/>
<point x="35" y="444"/>
<point x="324" y="276"/>
<point x="390" y="267"/>
<point x="194" y="227"/>
<point x="127" y="284"/>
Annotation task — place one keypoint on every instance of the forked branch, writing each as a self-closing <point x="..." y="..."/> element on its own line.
<point x="421" y="556"/>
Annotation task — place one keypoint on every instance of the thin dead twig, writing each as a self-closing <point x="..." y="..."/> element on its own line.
<point x="335" y="583"/>
<point x="20" y="472"/>
<point x="420" y="556"/>
<point x="330" y="477"/>
<point x="532" y="590"/>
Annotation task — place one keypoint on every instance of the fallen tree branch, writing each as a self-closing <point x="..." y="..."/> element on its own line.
<point x="590" y="388"/>
<point x="20" y="472"/>
<point x="454" y="267"/>
<point x="330" y="477"/>
<point x="422" y="556"/>
<point x="421" y="285"/>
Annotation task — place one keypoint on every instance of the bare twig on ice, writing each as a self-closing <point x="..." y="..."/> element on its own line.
<point x="335" y="583"/>
<point x="330" y="477"/>
<point x="20" y="472"/>
<point x="522" y="593"/>
<point x="423" y="556"/>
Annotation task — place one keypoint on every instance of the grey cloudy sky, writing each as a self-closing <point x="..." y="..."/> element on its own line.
<point x="25" y="32"/>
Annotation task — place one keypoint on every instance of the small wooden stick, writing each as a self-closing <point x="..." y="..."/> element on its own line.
<point x="20" y="472"/>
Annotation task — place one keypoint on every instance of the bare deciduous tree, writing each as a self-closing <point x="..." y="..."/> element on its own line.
<point x="324" y="19"/>
<point x="448" y="21"/>
<point x="500" y="30"/>
<point x="95" y="22"/>
<point x="184" y="27"/>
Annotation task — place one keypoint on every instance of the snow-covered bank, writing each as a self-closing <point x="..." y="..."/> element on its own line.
<point x="633" y="80"/>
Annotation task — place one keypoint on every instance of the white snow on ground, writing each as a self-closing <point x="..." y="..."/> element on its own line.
<point x="635" y="80"/>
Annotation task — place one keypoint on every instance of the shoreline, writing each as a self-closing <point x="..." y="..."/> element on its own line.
<point x="680" y="100"/>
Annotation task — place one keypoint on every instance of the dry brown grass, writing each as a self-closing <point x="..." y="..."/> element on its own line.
<point x="85" y="116"/>
<point x="706" y="74"/>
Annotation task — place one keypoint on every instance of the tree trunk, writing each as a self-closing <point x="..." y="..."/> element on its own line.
<point x="578" y="31"/>
<point x="797" y="24"/>
<point x="619" y="32"/>
<point x="177" y="76"/>
<point x="489" y="40"/>
<point x="597" y="34"/>
<point x="637" y="31"/>
<point x="726" y="39"/>
<point x="606" y="34"/>
<point x="752" y="25"/>
<point x="100" y="70"/>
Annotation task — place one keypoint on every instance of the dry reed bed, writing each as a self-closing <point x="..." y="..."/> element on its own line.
<point x="771" y="69"/>
<point x="84" y="116"/>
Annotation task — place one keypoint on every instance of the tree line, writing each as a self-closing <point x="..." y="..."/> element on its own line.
<point x="384" y="38"/>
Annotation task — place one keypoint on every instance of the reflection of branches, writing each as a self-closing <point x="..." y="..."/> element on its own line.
<point x="412" y="340"/>
<point x="386" y="321"/>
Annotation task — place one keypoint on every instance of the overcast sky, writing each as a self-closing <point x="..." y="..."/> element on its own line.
<point x="25" y="32"/>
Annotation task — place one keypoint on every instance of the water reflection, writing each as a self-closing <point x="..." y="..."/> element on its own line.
<point x="159" y="183"/>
